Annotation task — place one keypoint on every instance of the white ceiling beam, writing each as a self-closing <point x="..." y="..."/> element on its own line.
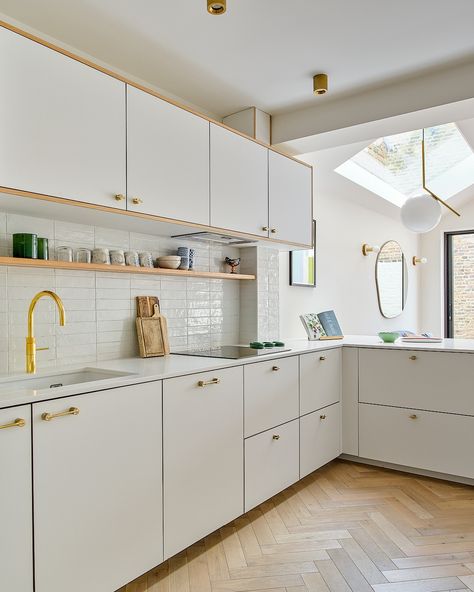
<point x="443" y="96"/>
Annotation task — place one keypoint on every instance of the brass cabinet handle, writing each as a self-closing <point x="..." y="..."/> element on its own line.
<point x="42" y="348"/>
<point x="208" y="382"/>
<point x="413" y="357"/>
<point x="119" y="197"/>
<point x="273" y="230"/>
<point x="276" y="437"/>
<point x="137" y="201"/>
<point x="414" y="416"/>
<point x="322" y="358"/>
<point x="50" y="416"/>
<point x="322" y="417"/>
<point x="18" y="423"/>
<point x="275" y="368"/>
<point x="265" y="228"/>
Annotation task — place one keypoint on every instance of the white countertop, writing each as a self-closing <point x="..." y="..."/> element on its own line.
<point x="151" y="369"/>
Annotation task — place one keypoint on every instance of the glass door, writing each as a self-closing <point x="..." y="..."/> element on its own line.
<point x="459" y="274"/>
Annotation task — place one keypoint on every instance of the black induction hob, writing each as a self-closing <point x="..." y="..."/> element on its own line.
<point x="231" y="352"/>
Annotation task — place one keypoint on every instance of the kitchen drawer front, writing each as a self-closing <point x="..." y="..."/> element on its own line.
<point x="271" y="463"/>
<point x="432" y="441"/>
<point x="320" y="438"/>
<point x="271" y="394"/>
<point x="434" y="381"/>
<point x="320" y="380"/>
<point x="203" y="457"/>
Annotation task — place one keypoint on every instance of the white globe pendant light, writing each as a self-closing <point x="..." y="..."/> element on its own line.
<point x="421" y="213"/>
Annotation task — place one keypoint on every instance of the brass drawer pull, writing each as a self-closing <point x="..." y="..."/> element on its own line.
<point x="208" y="382"/>
<point x="273" y="230"/>
<point x="18" y="423"/>
<point x="414" y="416"/>
<point x="119" y="197"/>
<point x="276" y="437"/>
<point x="137" y="201"/>
<point x="275" y="368"/>
<point x="265" y="228"/>
<point x="322" y="358"/>
<point x="50" y="416"/>
<point x="322" y="417"/>
<point x="413" y="357"/>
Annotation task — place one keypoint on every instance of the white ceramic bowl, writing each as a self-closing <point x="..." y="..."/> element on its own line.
<point x="169" y="262"/>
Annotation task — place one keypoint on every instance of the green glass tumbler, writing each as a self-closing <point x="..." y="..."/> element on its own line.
<point x="43" y="249"/>
<point x="25" y="246"/>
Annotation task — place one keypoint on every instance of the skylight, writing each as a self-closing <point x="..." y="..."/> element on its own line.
<point x="391" y="166"/>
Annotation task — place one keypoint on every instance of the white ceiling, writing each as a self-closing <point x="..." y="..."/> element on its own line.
<point x="261" y="52"/>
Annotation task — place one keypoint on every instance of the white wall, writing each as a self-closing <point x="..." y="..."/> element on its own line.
<point x="347" y="217"/>
<point x="432" y="274"/>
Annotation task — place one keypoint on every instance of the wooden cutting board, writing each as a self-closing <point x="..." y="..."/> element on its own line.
<point x="152" y="331"/>
<point x="146" y="306"/>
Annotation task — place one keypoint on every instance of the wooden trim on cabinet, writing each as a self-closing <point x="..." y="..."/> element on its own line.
<point x="143" y="216"/>
<point x="141" y="87"/>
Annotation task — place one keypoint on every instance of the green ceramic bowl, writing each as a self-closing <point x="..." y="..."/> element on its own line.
<point x="388" y="336"/>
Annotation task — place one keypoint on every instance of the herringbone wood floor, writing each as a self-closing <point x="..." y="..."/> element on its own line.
<point x="345" y="527"/>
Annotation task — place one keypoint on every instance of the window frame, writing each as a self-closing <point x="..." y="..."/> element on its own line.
<point x="448" y="280"/>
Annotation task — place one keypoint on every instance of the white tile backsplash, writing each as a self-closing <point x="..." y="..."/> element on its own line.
<point x="100" y="307"/>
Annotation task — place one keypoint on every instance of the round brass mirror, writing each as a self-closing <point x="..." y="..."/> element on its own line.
<point x="391" y="275"/>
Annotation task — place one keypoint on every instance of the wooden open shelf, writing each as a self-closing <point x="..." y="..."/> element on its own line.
<point x="19" y="262"/>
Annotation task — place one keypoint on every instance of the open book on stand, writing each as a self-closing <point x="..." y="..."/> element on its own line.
<point x="321" y="326"/>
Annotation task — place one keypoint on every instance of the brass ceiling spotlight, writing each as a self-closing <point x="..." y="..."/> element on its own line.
<point x="320" y="84"/>
<point x="214" y="7"/>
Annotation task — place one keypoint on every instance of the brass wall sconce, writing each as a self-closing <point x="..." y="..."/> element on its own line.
<point x="366" y="249"/>
<point x="214" y="7"/>
<point x="419" y="260"/>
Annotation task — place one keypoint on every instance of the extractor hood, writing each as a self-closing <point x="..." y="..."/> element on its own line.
<point x="215" y="237"/>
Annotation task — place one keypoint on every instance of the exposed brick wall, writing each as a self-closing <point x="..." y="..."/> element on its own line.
<point x="463" y="285"/>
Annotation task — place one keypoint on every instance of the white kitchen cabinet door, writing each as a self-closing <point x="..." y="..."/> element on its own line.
<point x="98" y="489"/>
<point x="203" y="455"/>
<point x="320" y="379"/>
<point x="62" y="125"/>
<point x="271" y="463"/>
<point x="270" y="393"/>
<point x="167" y="159"/>
<point x="320" y="438"/>
<point x="440" y="442"/>
<point x="434" y="381"/>
<point x="16" y="526"/>
<point x="239" y="183"/>
<point x="290" y="200"/>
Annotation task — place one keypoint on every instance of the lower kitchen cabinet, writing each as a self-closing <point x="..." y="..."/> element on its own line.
<point x="320" y="438"/>
<point x="271" y="394"/>
<point x="202" y="455"/>
<point x="271" y="462"/>
<point x="320" y="379"/>
<point x="16" y="548"/>
<point x="440" y="442"/>
<point x="97" y="489"/>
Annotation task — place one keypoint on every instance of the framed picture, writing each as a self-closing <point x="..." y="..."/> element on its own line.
<point x="303" y="265"/>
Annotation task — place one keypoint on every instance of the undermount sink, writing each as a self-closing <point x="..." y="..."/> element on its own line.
<point x="59" y="379"/>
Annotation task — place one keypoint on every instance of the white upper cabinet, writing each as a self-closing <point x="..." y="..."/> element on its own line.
<point x="239" y="183"/>
<point x="290" y="200"/>
<point x="167" y="159"/>
<point x="98" y="489"/>
<point x="62" y="125"/>
<point x="16" y="526"/>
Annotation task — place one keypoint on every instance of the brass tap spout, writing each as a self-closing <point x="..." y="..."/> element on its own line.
<point x="31" y="348"/>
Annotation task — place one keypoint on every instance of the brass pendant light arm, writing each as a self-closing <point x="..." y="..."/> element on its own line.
<point x="423" y="174"/>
